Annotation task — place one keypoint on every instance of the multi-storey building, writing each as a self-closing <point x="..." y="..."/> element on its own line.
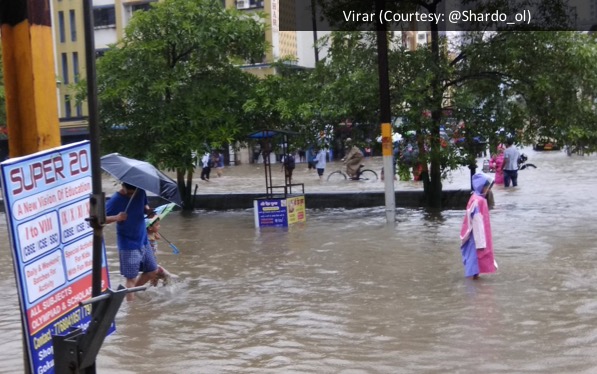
<point x="110" y="18"/>
<point x="283" y="43"/>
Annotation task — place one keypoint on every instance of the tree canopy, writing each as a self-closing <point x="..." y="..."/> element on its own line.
<point x="172" y="85"/>
<point x="514" y="80"/>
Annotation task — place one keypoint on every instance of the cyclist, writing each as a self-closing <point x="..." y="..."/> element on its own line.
<point x="353" y="160"/>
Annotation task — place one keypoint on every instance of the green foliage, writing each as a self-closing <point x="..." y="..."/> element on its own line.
<point x="170" y="86"/>
<point x="531" y="84"/>
<point x="286" y="101"/>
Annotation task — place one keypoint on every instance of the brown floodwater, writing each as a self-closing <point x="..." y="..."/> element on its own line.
<point x="346" y="293"/>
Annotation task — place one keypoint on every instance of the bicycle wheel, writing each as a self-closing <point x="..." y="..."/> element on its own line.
<point x="337" y="176"/>
<point x="368" y="175"/>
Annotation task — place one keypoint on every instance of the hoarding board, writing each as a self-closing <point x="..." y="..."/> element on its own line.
<point x="46" y="198"/>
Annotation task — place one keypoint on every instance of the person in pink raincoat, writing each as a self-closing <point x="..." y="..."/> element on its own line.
<point x="475" y="235"/>
<point x="496" y="163"/>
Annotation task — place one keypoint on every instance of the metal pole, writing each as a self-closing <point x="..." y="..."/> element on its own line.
<point x="94" y="138"/>
<point x="314" y="22"/>
<point x="385" y="117"/>
<point x="97" y="199"/>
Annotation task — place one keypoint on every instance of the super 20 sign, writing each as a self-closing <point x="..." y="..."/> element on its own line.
<point x="47" y="201"/>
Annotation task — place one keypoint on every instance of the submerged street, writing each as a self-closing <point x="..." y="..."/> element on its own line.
<point x="344" y="293"/>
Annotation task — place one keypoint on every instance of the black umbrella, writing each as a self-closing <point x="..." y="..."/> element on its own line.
<point x="142" y="175"/>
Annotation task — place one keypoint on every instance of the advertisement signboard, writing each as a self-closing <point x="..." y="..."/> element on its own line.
<point x="46" y="197"/>
<point x="296" y="209"/>
<point x="279" y="212"/>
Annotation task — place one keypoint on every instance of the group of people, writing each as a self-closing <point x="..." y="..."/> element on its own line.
<point x="352" y="160"/>
<point x="209" y="161"/>
<point x="505" y="164"/>
<point x="137" y="240"/>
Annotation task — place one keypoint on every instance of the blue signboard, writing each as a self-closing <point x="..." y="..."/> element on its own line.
<point x="279" y="212"/>
<point x="46" y="197"/>
<point x="271" y="213"/>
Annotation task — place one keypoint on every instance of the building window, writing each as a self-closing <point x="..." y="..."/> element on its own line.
<point x="65" y="69"/>
<point x="100" y="52"/>
<point x="104" y="17"/>
<point x="76" y="66"/>
<point x="61" y="27"/>
<point x="142" y="6"/>
<point x="73" y="25"/>
<point x="67" y="108"/>
<point x="79" y="110"/>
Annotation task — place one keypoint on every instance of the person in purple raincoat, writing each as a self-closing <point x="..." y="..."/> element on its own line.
<point x="475" y="235"/>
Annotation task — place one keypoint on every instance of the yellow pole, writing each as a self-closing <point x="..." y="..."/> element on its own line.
<point x="29" y="78"/>
<point x="29" y="84"/>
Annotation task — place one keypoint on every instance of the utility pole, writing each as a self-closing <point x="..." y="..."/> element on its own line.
<point x="314" y="23"/>
<point x="385" y="116"/>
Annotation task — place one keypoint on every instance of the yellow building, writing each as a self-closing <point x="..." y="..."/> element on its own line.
<point x="110" y="17"/>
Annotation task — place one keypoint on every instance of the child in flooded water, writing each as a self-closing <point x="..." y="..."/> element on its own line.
<point x="153" y="228"/>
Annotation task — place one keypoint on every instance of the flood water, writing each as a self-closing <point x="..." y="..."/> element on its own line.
<point x="345" y="293"/>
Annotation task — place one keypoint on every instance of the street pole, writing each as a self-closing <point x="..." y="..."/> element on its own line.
<point x="385" y="117"/>
<point x="314" y="23"/>
<point x="97" y="201"/>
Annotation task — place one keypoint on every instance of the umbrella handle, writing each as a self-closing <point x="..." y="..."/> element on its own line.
<point x="130" y="200"/>
<point x="174" y="249"/>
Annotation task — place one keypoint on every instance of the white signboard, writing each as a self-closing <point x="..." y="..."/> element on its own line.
<point x="46" y="197"/>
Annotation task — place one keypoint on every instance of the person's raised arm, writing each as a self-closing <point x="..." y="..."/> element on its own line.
<point x="122" y="216"/>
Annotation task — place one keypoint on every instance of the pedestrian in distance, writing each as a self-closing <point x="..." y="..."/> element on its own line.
<point x="497" y="163"/>
<point x="219" y="163"/>
<point x="207" y="164"/>
<point x="256" y="152"/>
<point x="320" y="162"/>
<point x="475" y="235"/>
<point x="510" y="165"/>
<point x="302" y="155"/>
<point x="288" y="165"/>
<point x="128" y="207"/>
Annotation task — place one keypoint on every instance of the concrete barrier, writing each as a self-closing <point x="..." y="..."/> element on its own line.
<point x="453" y="199"/>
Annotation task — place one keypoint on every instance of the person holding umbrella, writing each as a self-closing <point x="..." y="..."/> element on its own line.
<point x="128" y="208"/>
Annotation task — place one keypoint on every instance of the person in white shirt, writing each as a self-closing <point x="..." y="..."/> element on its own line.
<point x="207" y="164"/>
<point x="510" y="164"/>
<point x="320" y="162"/>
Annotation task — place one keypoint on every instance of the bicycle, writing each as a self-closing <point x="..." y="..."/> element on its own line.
<point x="366" y="175"/>
<point x="523" y="164"/>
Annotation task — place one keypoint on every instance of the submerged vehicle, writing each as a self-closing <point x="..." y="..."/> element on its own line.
<point x="545" y="144"/>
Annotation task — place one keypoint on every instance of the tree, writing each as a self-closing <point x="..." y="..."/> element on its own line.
<point x="171" y="86"/>
<point x="489" y="79"/>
